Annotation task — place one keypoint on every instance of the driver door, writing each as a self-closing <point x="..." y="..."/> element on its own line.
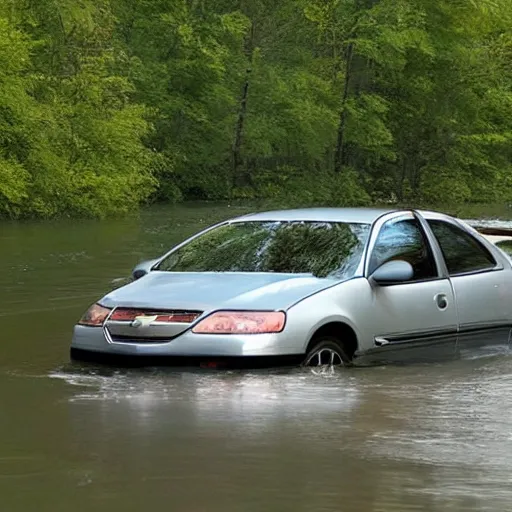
<point x="416" y="319"/>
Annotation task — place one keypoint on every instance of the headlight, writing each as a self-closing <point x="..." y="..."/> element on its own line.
<point x="95" y="316"/>
<point x="242" y="322"/>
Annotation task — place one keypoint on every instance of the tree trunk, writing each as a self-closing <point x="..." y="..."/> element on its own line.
<point x="340" y="155"/>
<point x="401" y="182"/>
<point x="238" y="171"/>
<point x="241" y="175"/>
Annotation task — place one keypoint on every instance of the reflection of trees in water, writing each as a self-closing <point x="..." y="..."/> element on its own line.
<point x="288" y="442"/>
<point x="318" y="248"/>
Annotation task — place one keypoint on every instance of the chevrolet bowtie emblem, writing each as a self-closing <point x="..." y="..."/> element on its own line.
<point x="143" y="321"/>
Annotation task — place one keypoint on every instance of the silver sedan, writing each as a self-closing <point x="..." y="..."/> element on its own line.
<point x="326" y="286"/>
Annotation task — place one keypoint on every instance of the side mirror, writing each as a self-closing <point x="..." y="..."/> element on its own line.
<point x="142" y="269"/>
<point x="396" y="271"/>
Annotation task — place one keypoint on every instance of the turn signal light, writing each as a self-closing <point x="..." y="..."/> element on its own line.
<point x="242" y="322"/>
<point x="95" y="316"/>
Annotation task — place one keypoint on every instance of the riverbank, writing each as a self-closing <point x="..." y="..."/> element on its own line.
<point x="224" y="209"/>
<point x="489" y="211"/>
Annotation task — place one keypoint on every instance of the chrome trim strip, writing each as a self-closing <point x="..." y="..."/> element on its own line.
<point x="106" y="333"/>
<point x="476" y="327"/>
<point x="437" y="253"/>
<point x="462" y="331"/>
<point x="152" y="324"/>
<point x="476" y="272"/>
<point x="433" y="335"/>
<point x="449" y="339"/>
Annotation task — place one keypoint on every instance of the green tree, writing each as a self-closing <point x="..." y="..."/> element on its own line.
<point x="106" y="104"/>
<point x="20" y="117"/>
<point x="79" y="147"/>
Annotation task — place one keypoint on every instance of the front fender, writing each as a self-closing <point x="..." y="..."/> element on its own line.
<point x="342" y="303"/>
<point x="338" y="318"/>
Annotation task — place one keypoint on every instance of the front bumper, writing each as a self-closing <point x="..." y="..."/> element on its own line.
<point x="188" y="344"/>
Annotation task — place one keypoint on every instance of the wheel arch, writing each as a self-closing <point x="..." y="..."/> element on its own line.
<point x="340" y="329"/>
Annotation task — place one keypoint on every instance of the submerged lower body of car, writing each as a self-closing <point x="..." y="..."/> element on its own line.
<point x="99" y="344"/>
<point x="94" y="344"/>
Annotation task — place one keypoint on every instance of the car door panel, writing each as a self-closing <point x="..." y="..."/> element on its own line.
<point x="417" y="319"/>
<point x="482" y="285"/>
<point x="484" y="307"/>
<point x="409" y="311"/>
<point x="410" y="322"/>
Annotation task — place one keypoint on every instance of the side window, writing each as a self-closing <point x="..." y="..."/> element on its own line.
<point x="404" y="240"/>
<point x="461" y="251"/>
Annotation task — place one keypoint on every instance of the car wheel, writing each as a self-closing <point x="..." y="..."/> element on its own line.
<point x="326" y="352"/>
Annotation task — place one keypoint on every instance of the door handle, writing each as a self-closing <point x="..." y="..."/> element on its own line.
<point x="441" y="301"/>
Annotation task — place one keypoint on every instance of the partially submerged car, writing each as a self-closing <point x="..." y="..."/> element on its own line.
<point x="320" y="286"/>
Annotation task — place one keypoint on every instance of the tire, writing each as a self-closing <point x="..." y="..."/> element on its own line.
<point x="326" y="351"/>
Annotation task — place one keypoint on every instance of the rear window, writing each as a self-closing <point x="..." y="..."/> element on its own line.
<point x="322" y="249"/>
<point x="461" y="251"/>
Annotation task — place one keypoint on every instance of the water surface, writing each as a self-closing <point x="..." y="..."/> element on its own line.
<point x="84" y="438"/>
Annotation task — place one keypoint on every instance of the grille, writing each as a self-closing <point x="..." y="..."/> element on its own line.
<point x="137" y="325"/>
<point x="139" y="339"/>
<point x="162" y="316"/>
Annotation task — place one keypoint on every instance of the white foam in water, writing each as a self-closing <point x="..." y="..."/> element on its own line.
<point x="486" y="352"/>
<point x="240" y="394"/>
<point x="489" y="223"/>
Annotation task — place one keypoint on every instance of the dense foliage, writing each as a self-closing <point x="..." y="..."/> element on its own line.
<point x="105" y="104"/>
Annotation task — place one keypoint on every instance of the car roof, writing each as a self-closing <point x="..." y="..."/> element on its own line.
<point x="349" y="215"/>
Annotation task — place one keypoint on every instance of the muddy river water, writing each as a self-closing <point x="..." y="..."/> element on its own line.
<point x="76" y="437"/>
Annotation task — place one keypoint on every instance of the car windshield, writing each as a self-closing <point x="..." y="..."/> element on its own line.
<point x="323" y="249"/>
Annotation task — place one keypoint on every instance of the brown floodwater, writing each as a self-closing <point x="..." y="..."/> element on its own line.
<point x="77" y="437"/>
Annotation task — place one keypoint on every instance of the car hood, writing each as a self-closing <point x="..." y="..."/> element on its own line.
<point x="207" y="291"/>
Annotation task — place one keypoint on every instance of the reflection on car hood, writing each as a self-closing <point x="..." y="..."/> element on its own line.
<point x="207" y="291"/>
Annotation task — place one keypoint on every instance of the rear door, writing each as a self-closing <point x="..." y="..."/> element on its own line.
<point x="482" y="285"/>
<point x="416" y="319"/>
